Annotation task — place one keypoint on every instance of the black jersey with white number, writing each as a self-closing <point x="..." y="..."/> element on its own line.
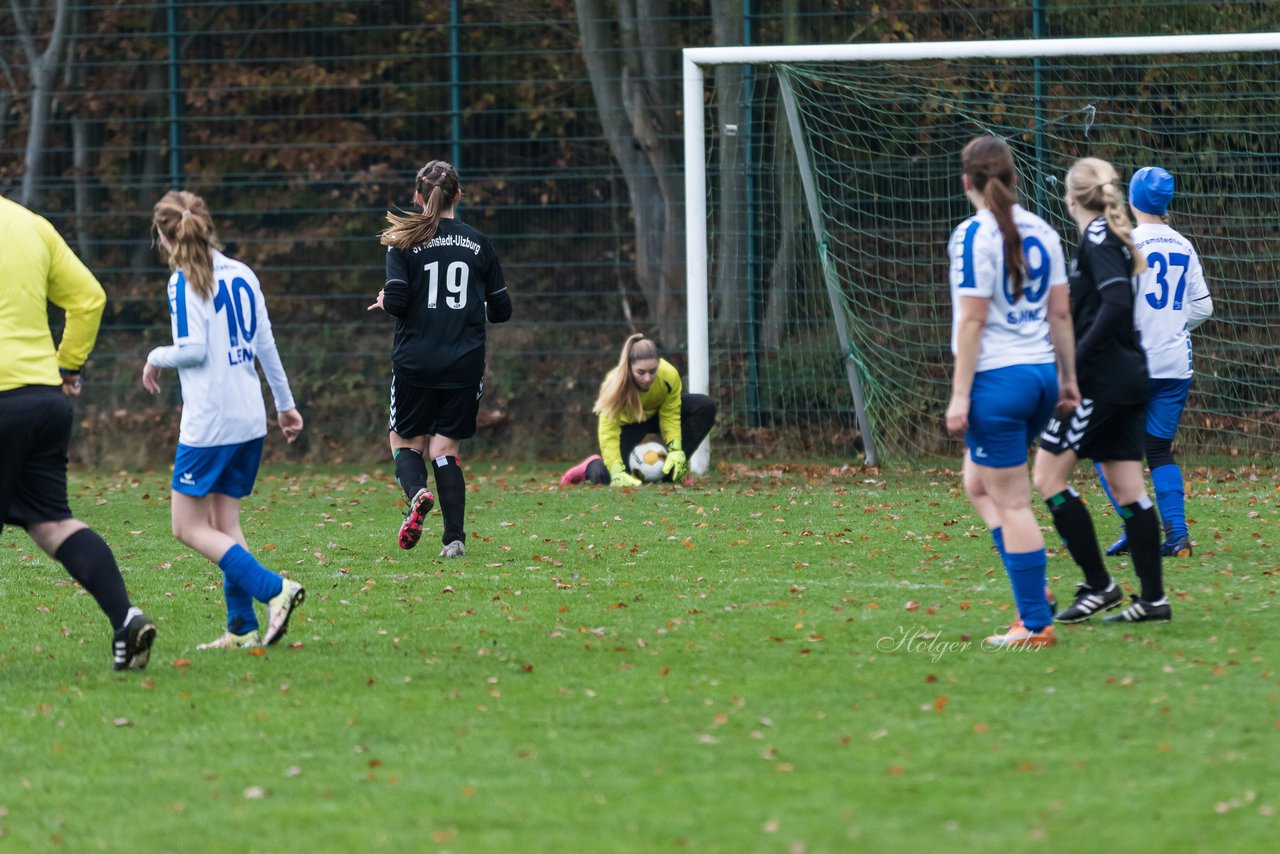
<point x="439" y="341"/>
<point x="1112" y="368"/>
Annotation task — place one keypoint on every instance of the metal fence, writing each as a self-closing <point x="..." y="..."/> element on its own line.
<point x="303" y="123"/>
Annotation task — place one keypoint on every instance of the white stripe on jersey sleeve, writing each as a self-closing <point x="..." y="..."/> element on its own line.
<point x="184" y="355"/>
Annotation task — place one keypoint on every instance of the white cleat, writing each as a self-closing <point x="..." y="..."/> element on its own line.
<point x="233" y="641"/>
<point x="280" y="608"/>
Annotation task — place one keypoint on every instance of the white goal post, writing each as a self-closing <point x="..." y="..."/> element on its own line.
<point x="696" y="62"/>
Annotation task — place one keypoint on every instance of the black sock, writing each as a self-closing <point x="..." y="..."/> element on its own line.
<point x="597" y="473"/>
<point x="411" y="471"/>
<point x="451" y="492"/>
<point x="1143" y="530"/>
<point x="1075" y="526"/>
<point x="88" y="559"/>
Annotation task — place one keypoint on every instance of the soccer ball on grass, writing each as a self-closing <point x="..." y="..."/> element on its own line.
<point x="646" y="461"/>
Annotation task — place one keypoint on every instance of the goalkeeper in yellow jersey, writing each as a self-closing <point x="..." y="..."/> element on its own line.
<point x="644" y="395"/>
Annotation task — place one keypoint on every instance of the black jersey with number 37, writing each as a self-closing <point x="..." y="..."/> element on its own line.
<point x="439" y="291"/>
<point x="1110" y="363"/>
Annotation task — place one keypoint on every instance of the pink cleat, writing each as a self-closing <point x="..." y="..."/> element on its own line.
<point x="578" y="473"/>
<point x="419" y="507"/>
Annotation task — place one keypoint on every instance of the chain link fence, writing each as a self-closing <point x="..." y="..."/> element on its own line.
<point x="303" y="123"/>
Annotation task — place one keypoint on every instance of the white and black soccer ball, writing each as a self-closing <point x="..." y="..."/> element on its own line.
<point x="646" y="461"/>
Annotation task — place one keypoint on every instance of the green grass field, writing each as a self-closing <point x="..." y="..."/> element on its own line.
<point x="770" y="660"/>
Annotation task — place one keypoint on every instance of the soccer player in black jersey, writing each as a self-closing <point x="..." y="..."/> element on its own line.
<point x="443" y="280"/>
<point x="1109" y="425"/>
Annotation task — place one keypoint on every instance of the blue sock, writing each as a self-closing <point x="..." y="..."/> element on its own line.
<point x="1026" y="573"/>
<point x="1171" y="499"/>
<point x="1106" y="487"/>
<point x="240" y="614"/>
<point x="997" y="537"/>
<point x="242" y="570"/>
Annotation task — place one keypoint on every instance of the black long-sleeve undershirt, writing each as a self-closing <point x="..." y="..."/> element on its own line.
<point x="498" y="306"/>
<point x="1115" y="316"/>
<point x="395" y="298"/>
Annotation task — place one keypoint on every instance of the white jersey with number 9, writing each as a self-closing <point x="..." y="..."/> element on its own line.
<point x="1016" y="331"/>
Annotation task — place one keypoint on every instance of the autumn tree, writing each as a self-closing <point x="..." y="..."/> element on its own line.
<point x="629" y="51"/>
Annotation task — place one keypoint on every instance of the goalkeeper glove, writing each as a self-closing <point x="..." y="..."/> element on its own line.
<point x="619" y="476"/>
<point x="677" y="464"/>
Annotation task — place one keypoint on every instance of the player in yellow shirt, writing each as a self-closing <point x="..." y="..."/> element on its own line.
<point x="37" y="268"/>
<point x="643" y="395"/>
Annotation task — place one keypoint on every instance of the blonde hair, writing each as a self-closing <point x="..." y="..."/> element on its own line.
<point x="1094" y="185"/>
<point x="437" y="185"/>
<point x="184" y="220"/>
<point x="619" y="394"/>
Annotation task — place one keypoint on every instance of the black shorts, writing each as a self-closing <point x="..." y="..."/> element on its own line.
<point x="420" y="411"/>
<point x="35" y="430"/>
<point x="1100" y="431"/>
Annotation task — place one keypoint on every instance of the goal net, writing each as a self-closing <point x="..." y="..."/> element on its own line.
<point x="822" y="185"/>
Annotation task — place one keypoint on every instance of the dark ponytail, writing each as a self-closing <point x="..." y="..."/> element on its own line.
<point x="989" y="164"/>
<point x="437" y="185"/>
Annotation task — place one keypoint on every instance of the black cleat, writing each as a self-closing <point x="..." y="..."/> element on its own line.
<point x="132" y="643"/>
<point x="1181" y="547"/>
<point x="1089" y="602"/>
<point x="1142" y="611"/>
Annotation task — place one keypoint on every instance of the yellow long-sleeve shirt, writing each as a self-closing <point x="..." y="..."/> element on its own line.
<point x="663" y="397"/>
<point x="36" y="268"/>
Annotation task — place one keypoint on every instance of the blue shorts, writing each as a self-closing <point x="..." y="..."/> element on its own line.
<point x="1164" y="409"/>
<point x="225" y="469"/>
<point x="1008" y="407"/>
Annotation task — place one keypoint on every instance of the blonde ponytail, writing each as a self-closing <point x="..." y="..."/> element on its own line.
<point x="184" y="220"/>
<point x="1118" y="221"/>
<point x="1094" y="185"/>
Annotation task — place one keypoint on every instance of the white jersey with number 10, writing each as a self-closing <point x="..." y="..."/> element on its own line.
<point x="215" y="343"/>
